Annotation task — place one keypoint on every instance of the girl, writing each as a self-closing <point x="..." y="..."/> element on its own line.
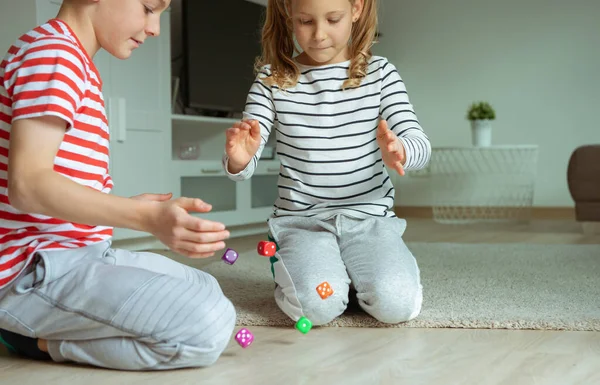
<point x="340" y="116"/>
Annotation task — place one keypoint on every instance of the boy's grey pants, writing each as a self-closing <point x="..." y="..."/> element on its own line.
<point x="119" y="309"/>
<point x="369" y="253"/>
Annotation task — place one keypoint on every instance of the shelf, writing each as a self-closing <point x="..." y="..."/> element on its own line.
<point x="203" y="168"/>
<point x="202" y="119"/>
<point x="263" y="190"/>
<point x="219" y="191"/>
<point x="238" y="217"/>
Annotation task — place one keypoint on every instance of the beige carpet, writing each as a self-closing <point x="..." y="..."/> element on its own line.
<point x="510" y="286"/>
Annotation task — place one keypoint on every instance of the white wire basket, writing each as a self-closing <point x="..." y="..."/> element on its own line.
<point x="483" y="184"/>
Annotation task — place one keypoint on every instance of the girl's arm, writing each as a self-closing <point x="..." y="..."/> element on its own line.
<point x="260" y="108"/>
<point x="398" y="111"/>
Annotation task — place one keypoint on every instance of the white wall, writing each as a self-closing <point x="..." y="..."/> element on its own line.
<point x="16" y="18"/>
<point x="536" y="61"/>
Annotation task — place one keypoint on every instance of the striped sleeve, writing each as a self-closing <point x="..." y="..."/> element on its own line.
<point x="399" y="113"/>
<point x="48" y="78"/>
<point x="260" y="107"/>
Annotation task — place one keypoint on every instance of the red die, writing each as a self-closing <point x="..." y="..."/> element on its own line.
<point x="266" y="249"/>
<point x="324" y="290"/>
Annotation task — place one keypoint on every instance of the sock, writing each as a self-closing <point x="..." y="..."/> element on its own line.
<point x="9" y="347"/>
<point x="25" y="346"/>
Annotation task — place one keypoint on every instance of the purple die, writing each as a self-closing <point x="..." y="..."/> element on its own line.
<point x="244" y="338"/>
<point x="230" y="256"/>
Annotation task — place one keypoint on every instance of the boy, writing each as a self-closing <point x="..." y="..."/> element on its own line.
<point x="65" y="294"/>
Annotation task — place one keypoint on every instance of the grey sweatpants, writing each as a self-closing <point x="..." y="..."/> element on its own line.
<point x="119" y="309"/>
<point x="367" y="253"/>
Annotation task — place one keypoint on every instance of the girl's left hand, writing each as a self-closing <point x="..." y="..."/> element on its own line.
<point x="392" y="149"/>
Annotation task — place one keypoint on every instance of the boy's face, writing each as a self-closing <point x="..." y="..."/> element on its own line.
<point x="123" y="25"/>
<point x="323" y="28"/>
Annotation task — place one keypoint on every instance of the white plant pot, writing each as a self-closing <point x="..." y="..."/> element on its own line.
<point x="481" y="133"/>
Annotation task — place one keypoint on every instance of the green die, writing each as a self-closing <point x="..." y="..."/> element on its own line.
<point x="304" y="325"/>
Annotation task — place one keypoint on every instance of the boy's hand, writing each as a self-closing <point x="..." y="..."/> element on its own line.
<point x="243" y="140"/>
<point x="183" y="233"/>
<point x="392" y="149"/>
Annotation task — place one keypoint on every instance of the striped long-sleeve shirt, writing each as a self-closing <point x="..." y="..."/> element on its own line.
<point x="47" y="72"/>
<point x="326" y="139"/>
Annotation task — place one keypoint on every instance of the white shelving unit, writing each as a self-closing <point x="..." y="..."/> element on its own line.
<point x="178" y="118"/>
<point x="243" y="207"/>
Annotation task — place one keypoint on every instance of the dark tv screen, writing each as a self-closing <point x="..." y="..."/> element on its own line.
<point x="221" y="41"/>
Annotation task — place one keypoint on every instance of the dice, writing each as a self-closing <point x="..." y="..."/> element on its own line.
<point x="266" y="249"/>
<point x="303" y="325"/>
<point x="244" y="338"/>
<point x="230" y="256"/>
<point x="324" y="290"/>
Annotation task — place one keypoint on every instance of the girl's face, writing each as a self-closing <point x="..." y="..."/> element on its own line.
<point x="122" y="25"/>
<point x="323" y="29"/>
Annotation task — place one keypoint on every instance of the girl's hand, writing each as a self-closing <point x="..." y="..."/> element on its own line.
<point x="392" y="149"/>
<point x="243" y="141"/>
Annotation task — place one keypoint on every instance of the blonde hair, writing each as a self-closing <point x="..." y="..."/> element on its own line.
<point x="278" y="45"/>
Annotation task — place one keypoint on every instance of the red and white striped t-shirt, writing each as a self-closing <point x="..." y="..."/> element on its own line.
<point x="48" y="72"/>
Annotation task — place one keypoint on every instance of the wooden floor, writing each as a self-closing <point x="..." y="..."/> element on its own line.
<point x="381" y="356"/>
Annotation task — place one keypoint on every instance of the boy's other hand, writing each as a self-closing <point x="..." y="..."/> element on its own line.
<point x="170" y="221"/>
<point x="242" y="143"/>
<point x="392" y="149"/>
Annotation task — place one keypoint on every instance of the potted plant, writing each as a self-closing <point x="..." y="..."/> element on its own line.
<point x="481" y="115"/>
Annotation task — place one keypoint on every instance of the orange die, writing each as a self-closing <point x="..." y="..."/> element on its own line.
<point x="324" y="290"/>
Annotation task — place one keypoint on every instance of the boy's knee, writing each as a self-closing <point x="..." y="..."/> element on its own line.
<point x="211" y="333"/>
<point x="393" y="304"/>
<point x="202" y="278"/>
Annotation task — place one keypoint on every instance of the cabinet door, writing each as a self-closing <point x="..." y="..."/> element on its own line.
<point x="137" y="99"/>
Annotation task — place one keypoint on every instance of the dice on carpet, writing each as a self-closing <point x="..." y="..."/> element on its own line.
<point x="230" y="256"/>
<point x="244" y="338"/>
<point x="324" y="290"/>
<point x="303" y="325"/>
<point x="266" y="249"/>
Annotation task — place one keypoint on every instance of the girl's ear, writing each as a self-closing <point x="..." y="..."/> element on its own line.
<point x="357" y="9"/>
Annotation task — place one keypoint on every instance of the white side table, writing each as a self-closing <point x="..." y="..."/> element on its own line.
<point x="483" y="184"/>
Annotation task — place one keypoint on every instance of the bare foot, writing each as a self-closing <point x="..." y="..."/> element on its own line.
<point x="43" y="345"/>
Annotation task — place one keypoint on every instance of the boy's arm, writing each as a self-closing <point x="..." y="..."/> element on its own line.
<point x="34" y="187"/>
<point x="399" y="113"/>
